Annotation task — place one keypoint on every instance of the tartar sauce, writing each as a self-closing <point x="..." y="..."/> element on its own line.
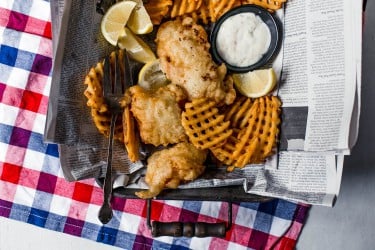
<point x="242" y="39"/>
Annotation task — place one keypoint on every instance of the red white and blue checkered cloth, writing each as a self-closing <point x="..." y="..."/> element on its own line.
<point x="33" y="189"/>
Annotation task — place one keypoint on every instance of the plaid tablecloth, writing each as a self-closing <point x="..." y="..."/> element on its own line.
<point x="32" y="187"/>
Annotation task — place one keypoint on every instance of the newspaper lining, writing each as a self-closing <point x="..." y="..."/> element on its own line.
<point x="320" y="65"/>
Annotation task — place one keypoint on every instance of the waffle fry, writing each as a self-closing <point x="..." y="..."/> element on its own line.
<point x="158" y="9"/>
<point x="202" y="10"/>
<point x="255" y="131"/>
<point x="270" y="5"/>
<point x="259" y="137"/>
<point x="238" y="115"/>
<point x="217" y="8"/>
<point x="131" y="138"/>
<point x="94" y="91"/>
<point x="102" y="121"/>
<point x="239" y="112"/>
<point x="204" y="125"/>
<point x="224" y="153"/>
<point x="182" y="7"/>
<point x="212" y="10"/>
<point x="201" y="14"/>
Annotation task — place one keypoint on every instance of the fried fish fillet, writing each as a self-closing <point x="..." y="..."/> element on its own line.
<point x="158" y="114"/>
<point x="183" y="49"/>
<point x="168" y="168"/>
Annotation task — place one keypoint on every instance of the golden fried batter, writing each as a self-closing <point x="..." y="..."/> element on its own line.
<point x="183" y="49"/>
<point x="158" y="114"/>
<point x="170" y="167"/>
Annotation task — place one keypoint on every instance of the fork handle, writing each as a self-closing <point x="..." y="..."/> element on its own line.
<point x="108" y="176"/>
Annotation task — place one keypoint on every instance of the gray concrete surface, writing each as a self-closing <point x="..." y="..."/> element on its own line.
<point x="350" y="224"/>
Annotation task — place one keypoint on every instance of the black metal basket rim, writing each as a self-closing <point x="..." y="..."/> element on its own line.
<point x="224" y="194"/>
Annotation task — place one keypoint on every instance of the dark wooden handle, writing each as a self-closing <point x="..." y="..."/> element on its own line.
<point x="187" y="229"/>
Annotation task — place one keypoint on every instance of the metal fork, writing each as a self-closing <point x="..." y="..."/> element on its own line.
<point x="116" y="77"/>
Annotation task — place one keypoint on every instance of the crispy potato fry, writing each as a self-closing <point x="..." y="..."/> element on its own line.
<point x="201" y="10"/>
<point x="212" y="10"/>
<point x="260" y="135"/>
<point x="223" y="8"/>
<point x="158" y="9"/>
<point x="201" y="13"/>
<point x="182" y="7"/>
<point x="218" y="8"/>
<point x="270" y="5"/>
<point x="238" y="115"/>
<point x="239" y="112"/>
<point x="131" y="138"/>
<point x="94" y="91"/>
<point x="255" y="131"/>
<point x="204" y="125"/>
<point x="102" y="121"/>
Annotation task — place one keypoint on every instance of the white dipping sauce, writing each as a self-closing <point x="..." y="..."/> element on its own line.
<point x="242" y="39"/>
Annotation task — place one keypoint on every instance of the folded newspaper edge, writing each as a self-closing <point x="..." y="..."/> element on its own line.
<point x="308" y="170"/>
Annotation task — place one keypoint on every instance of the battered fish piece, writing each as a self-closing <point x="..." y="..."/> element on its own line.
<point x="158" y="114"/>
<point x="183" y="49"/>
<point x="168" y="168"/>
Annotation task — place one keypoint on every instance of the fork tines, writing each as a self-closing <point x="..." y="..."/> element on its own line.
<point x="117" y="74"/>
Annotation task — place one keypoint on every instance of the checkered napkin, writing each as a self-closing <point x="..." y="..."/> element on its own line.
<point x="32" y="187"/>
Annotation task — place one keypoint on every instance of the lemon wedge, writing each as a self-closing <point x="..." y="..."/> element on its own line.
<point x="255" y="83"/>
<point x="139" y="21"/>
<point x="135" y="46"/>
<point x="151" y="77"/>
<point x="115" y="19"/>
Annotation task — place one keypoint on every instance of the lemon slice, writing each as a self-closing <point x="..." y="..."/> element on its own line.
<point x="255" y="83"/>
<point x="139" y="21"/>
<point x="115" y="19"/>
<point x="151" y="77"/>
<point x="135" y="46"/>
